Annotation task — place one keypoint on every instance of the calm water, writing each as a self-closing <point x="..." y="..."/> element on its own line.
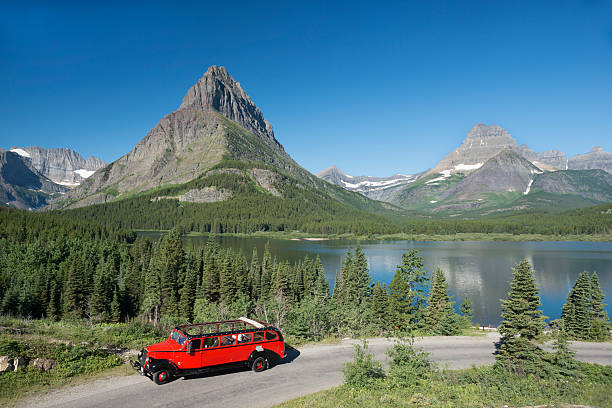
<point x="478" y="270"/>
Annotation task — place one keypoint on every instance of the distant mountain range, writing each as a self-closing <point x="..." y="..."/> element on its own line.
<point x="31" y="176"/>
<point x="217" y="147"/>
<point x="60" y="165"/>
<point x="489" y="172"/>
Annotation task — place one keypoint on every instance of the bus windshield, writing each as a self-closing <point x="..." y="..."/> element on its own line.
<point x="179" y="338"/>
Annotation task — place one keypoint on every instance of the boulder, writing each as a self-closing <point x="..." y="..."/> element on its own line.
<point x="19" y="363"/>
<point x="6" y="364"/>
<point x="43" y="364"/>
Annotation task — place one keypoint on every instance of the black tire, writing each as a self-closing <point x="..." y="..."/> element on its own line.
<point x="259" y="364"/>
<point x="161" y="377"/>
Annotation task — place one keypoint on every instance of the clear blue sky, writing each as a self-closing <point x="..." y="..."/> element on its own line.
<point x="374" y="90"/>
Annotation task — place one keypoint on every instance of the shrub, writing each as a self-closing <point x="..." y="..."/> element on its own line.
<point x="364" y="369"/>
<point x="408" y="365"/>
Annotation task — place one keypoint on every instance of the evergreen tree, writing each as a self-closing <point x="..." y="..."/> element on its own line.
<point x="151" y="303"/>
<point x="115" y="306"/>
<point x="407" y="292"/>
<point x="600" y="323"/>
<point x="188" y="294"/>
<point x="379" y="308"/>
<point x="466" y="311"/>
<point x="255" y="276"/>
<point x="437" y="302"/>
<point x="73" y="295"/>
<point x="320" y="286"/>
<point x="576" y="312"/>
<point x="227" y="281"/>
<point x="563" y="357"/>
<point x="522" y="322"/>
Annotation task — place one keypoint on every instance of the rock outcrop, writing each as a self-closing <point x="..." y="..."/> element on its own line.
<point x="43" y="364"/>
<point x="597" y="158"/>
<point x="60" y="165"/>
<point x="6" y="364"/>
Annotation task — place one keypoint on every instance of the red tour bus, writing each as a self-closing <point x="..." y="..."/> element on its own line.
<point x="198" y="348"/>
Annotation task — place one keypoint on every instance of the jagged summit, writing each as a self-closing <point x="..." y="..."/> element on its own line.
<point x="218" y="91"/>
<point x="482" y="143"/>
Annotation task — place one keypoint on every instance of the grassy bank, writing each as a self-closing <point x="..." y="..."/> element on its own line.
<point x="475" y="387"/>
<point x="296" y="235"/>
<point x="82" y="352"/>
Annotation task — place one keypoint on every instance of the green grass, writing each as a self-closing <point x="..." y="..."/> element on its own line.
<point x="475" y="387"/>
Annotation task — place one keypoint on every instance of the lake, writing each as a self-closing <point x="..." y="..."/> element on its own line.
<point x="480" y="270"/>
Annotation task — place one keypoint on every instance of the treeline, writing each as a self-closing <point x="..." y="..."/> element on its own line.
<point x="21" y="226"/>
<point x="306" y="209"/>
<point x="101" y="280"/>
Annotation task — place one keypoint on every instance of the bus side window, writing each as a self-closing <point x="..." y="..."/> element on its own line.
<point x="228" y="340"/>
<point x="245" y="337"/>
<point x="196" y="344"/>
<point x="211" y="342"/>
<point x="259" y="336"/>
<point x="270" y="335"/>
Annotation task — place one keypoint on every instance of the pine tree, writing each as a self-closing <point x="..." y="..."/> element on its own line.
<point x="358" y="284"/>
<point x="266" y="272"/>
<point x="563" y="357"/>
<point x="73" y="295"/>
<point x="379" y="307"/>
<point x="576" y="312"/>
<point x="227" y="281"/>
<point x="600" y="323"/>
<point x="255" y="276"/>
<point x="320" y="286"/>
<point x="522" y="323"/>
<point x="188" y="293"/>
<point x="437" y="302"/>
<point x="115" y="306"/>
<point x="466" y="311"/>
<point x="151" y="303"/>
<point x="170" y="263"/>
<point x="407" y="292"/>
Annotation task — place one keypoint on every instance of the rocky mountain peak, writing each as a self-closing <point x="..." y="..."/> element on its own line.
<point x="218" y="91"/>
<point x="481" y="143"/>
<point x="482" y="131"/>
<point x="596" y="158"/>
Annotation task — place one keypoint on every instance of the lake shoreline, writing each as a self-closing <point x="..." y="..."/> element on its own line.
<point x="501" y="237"/>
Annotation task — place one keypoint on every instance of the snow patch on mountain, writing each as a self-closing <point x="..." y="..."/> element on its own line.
<point x="462" y="166"/>
<point x="84" y="173"/>
<point x="528" y="187"/>
<point x="21" y="152"/>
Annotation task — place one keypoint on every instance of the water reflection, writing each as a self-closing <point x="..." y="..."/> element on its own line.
<point x="478" y="270"/>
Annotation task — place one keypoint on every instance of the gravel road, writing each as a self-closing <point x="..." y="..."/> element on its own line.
<point x="313" y="368"/>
